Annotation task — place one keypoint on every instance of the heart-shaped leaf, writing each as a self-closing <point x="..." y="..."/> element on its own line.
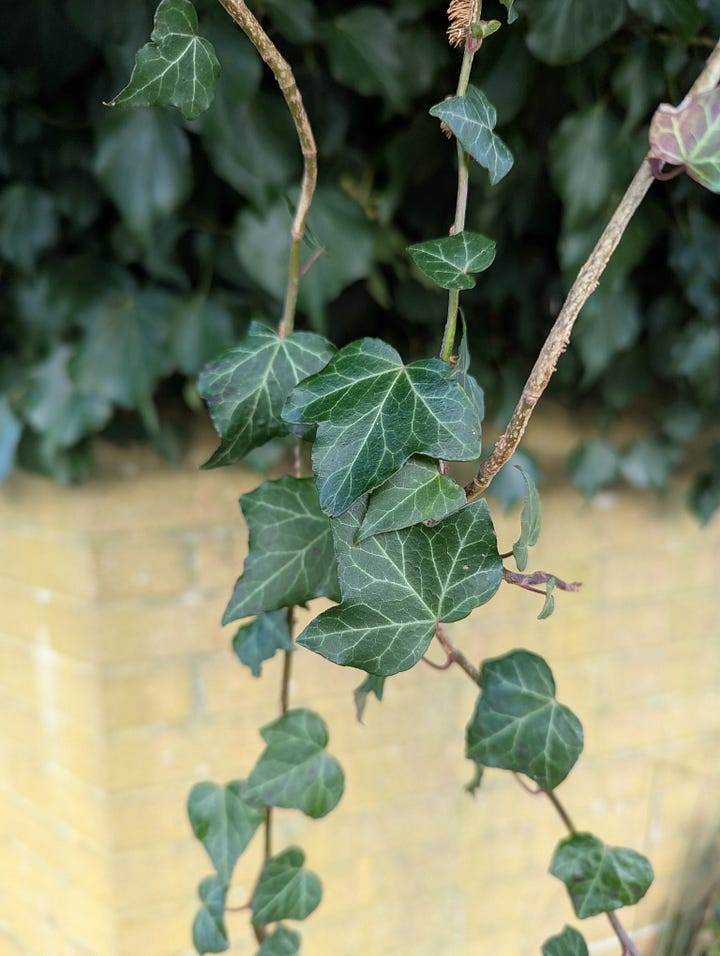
<point x="397" y="586"/>
<point x="450" y="261"/>
<point x="530" y="521"/>
<point x="291" y="558"/>
<point x="224" y="819"/>
<point x="472" y="119"/>
<point x="689" y="135"/>
<point x="260" y="639"/>
<point x="283" y="942"/>
<point x="567" y="943"/>
<point x="285" y="890"/>
<point x="294" y="770"/>
<point x="373" y="413"/>
<point x="245" y="388"/>
<point x="418" y="492"/>
<point x="177" y="67"/>
<point x="209" y="933"/>
<point x="600" y="878"/>
<point x="518" y="725"/>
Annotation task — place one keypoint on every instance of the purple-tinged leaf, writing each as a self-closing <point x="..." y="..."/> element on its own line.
<point x="689" y="135"/>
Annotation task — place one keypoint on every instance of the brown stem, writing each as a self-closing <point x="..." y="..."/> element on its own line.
<point x="449" y="661"/>
<point x="628" y="947"/>
<point x="286" y="81"/>
<point x="456" y="656"/>
<point x="562" y="812"/>
<point x="582" y="288"/>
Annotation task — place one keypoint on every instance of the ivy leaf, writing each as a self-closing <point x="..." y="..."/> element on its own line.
<point x="689" y="135"/>
<point x="373" y="413"/>
<point x="530" y="521"/>
<point x="285" y="890"/>
<point x="461" y="374"/>
<point x="600" y="878"/>
<point x="142" y="159"/>
<point x="260" y="639"/>
<point x="245" y="388"/>
<point x="472" y="119"/>
<point x="397" y="586"/>
<point x="209" y="932"/>
<point x="567" y="943"/>
<point x="450" y="261"/>
<point x="283" y="942"/>
<point x="418" y="492"/>
<point x="593" y="465"/>
<point x="562" y="32"/>
<point x="294" y="770"/>
<point x="10" y="430"/>
<point x="178" y="67"/>
<point x="28" y="224"/>
<point x="291" y="558"/>
<point x="682" y="17"/>
<point x="224" y="819"/>
<point x="511" y="12"/>
<point x="518" y="725"/>
<point x="371" y="685"/>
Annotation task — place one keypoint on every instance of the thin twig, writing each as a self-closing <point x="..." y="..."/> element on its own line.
<point x="562" y="812"/>
<point x="449" y="661"/>
<point x="456" y="655"/>
<point x="288" y="85"/>
<point x="583" y="287"/>
<point x="628" y="947"/>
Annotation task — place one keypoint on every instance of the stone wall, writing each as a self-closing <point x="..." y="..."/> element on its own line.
<point x="118" y="691"/>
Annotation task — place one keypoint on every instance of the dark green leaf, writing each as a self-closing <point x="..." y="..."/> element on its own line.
<point x="201" y="328"/>
<point x="178" y="67"/>
<point x="123" y="351"/>
<point x="689" y="135"/>
<point x="283" y="942"/>
<point x="291" y="558"/>
<point x="593" y="465"/>
<point x="530" y="521"/>
<point x="371" y="685"/>
<point x="285" y="890"/>
<point x="28" y="224"/>
<point x="142" y="159"/>
<point x="511" y="12"/>
<point x="567" y="943"/>
<point x="57" y="407"/>
<point x="297" y="21"/>
<point x="294" y="770"/>
<point x="610" y="323"/>
<point x="246" y="387"/>
<point x="224" y="819"/>
<point x="260" y="639"/>
<point x="449" y="262"/>
<point x="474" y="784"/>
<point x="704" y="495"/>
<point x="563" y="32"/>
<point x="373" y="413"/>
<point x="209" y="933"/>
<point x="397" y="586"/>
<point x="682" y="17"/>
<point x="518" y="725"/>
<point x="10" y="430"/>
<point x="600" y="878"/>
<point x="418" y="492"/>
<point x="472" y="119"/>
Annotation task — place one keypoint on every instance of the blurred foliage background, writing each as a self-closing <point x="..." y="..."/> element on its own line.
<point x="135" y="246"/>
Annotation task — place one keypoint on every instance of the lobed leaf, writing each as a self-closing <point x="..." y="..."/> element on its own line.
<point x="282" y="942"/>
<point x="294" y="770"/>
<point x="285" y="890"/>
<point x="290" y="558"/>
<point x="689" y="135"/>
<point x="567" y="943"/>
<point x="471" y="118"/>
<point x="177" y="67"/>
<point x="373" y="413"/>
<point x="530" y="521"/>
<point x="600" y="878"/>
<point x="245" y="388"/>
<point x="260" y="639"/>
<point x="224" y="819"/>
<point x="450" y="261"/>
<point x="209" y="932"/>
<point x="397" y="586"/>
<point x="518" y="725"/>
<point x="418" y="492"/>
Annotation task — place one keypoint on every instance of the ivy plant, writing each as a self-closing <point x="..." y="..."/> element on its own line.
<point x="375" y="522"/>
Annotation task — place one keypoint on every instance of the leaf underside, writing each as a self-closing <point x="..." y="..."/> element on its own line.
<point x="530" y="521"/>
<point x="471" y="118"/>
<point x="689" y="135"/>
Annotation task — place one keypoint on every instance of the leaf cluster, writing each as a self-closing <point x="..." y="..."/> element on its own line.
<point x="121" y="230"/>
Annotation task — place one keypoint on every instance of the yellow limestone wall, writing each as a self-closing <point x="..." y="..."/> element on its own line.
<point x="118" y="691"/>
